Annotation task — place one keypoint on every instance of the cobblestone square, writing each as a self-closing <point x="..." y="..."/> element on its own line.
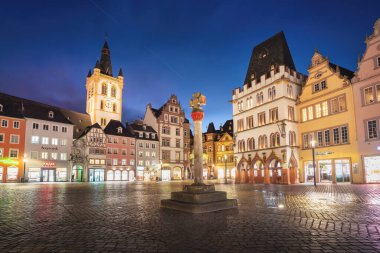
<point x="126" y="217"/>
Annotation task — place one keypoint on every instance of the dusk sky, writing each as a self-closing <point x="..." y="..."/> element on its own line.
<point x="165" y="47"/>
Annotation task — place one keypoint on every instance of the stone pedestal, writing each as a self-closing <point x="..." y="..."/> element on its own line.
<point x="199" y="199"/>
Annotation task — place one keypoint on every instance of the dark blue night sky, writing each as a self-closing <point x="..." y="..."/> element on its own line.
<point x="165" y="47"/>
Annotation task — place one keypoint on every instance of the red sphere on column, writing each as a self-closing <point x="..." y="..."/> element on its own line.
<point x="197" y="115"/>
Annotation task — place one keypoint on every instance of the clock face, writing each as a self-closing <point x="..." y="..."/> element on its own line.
<point x="108" y="105"/>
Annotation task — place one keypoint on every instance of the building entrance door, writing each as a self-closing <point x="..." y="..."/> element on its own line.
<point x="48" y="175"/>
<point x="342" y="168"/>
<point x="96" y="175"/>
<point x="325" y="170"/>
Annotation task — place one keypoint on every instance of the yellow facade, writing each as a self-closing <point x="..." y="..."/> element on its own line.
<point x="224" y="148"/>
<point x="327" y="117"/>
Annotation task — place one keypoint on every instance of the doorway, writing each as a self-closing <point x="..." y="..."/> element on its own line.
<point x="342" y="169"/>
<point x="48" y="175"/>
<point x="96" y="175"/>
<point x="325" y="169"/>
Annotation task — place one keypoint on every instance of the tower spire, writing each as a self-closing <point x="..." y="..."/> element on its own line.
<point x="105" y="59"/>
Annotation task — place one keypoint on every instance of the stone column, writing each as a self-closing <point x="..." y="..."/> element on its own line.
<point x="198" y="150"/>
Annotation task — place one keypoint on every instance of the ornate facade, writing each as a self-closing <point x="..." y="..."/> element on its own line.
<point x="366" y="86"/>
<point x="327" y="121"/>
<point x="264" y="116"/>
<point x="171" y="126"/>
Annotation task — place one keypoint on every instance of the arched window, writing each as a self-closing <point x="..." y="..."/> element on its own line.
<point x="101" y="105"/>
<point x="104" y="89"/>
<point x="290" y="91"/>
<point x="265" y="140"/>
<point x="272" y="140"/>
<point x="277" y="139"/>
<point x="258" y="98"/>
<point x="113" y="91"/>
<point x="261" y="97"/>
<point x="292" y="138"/>
<point x="270" y="94"/>
<point x="273" y="92"/>
<point x="114" y="107"/>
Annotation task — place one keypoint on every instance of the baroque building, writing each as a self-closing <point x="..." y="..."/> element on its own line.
<point x="264" y="116"/>
<point x="104" y="91"/>
<point x="327" y="123"/>
<point x="170" y="123"/>
<point x="366" y="87"/>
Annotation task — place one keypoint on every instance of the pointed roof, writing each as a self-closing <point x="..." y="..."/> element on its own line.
<point x="89" y="73"/>
<point x="120" y="72"/>
<point x="211" y="128"/>
<point x="105" y="60"/>
<point x="88" y="129"/>
<point x="273" y="51"/>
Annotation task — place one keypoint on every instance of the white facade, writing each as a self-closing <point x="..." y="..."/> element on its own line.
<point x="265" y="126"/>
<point x="47" y="150"/>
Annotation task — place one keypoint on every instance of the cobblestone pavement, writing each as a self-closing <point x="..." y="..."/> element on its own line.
<point x="126" y="217"/>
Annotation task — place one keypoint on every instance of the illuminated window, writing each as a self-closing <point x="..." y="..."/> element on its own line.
<point x="334" y="105"/>
<point x="304" y="114"/>
<point x="318" y="111"/>
<point x="54" y="156"/>
<point x="368" y="95"/>
<point x="325" y="109"/>
<point x="310" y="111"/>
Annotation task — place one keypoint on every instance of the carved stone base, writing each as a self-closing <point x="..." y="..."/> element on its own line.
<point x="199" y="199"/>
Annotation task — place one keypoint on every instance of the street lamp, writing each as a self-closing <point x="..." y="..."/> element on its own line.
<point x="225" y="169"/>
<point x="313" y="151"/>
<point x="24" y="161"/>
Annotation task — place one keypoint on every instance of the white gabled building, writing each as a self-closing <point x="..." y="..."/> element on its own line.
<point x="265" y="118"/>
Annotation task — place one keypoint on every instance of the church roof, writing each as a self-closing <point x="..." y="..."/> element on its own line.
<point x="105" y="65"/>
<point x="273" y="51"/>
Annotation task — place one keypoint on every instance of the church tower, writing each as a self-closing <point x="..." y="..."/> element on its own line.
<point x="104" y="91"/>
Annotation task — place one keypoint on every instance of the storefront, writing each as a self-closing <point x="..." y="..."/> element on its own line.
<point x="117" y="175"/>
<point x="372" y="169"/>
<point x="205" y="173"/>
<point x="12" y="174"/>
<point x="328" y="171"/>
<point x="61" y="174"/>
<point x="177" y="173"/>
<point x="96" y="175"/>
<point x="131" y="174"/>
<point x="220" y="173"/>
<point x="140" y="173"/>
<point x="34" y="174"/>
<point x="165" y="174"/>
<point x="48" y="174"/>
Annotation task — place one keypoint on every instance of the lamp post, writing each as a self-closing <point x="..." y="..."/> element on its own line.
<point x="313" y="151"/>
<point x="24" y="161"/>
<point x="225" y="169"/>
<point x="161" y="169"/>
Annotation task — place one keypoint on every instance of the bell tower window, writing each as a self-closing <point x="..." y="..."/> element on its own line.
<point x="104" y="89"/>
<point x="114" y="107"/>
<point x="113" y="91"/>
<point x="101" y="105"/>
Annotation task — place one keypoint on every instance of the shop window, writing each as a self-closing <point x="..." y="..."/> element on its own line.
<point x="12" y="173"/>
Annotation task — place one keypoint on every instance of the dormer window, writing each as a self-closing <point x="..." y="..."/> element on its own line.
<point x="147" y="135"/>
<point x="140" y="134"/>
<point x="119" y="130"/>
<point x="51" y="114"/>
<point x="1" y="107"/>
<point x="153" y="136"/>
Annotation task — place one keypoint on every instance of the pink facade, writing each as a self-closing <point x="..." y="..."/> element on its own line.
<point x="121" y="158"/>
<point x="366" y="87"/>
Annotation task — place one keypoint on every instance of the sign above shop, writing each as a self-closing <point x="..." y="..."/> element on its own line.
<point x="8" y="161"/>
<point x="48" y="164"/>
<point x="324" y="153"/>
